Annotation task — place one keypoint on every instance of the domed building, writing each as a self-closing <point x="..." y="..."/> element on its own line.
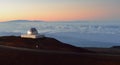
<point x="32" y="33"/>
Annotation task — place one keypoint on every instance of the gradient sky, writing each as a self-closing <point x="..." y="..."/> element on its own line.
<point x="52" y="10"/>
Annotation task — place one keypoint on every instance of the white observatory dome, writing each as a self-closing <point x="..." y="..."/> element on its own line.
<point x="32" y="31"/>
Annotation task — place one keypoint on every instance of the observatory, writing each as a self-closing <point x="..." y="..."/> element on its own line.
<point x="32" y="33"/>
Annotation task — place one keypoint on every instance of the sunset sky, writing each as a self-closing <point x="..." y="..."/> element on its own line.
<point x="58" y="10"/>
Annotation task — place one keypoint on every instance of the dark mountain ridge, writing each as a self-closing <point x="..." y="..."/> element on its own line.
<point x="15" y="50"/>
<point x="40" y="43"/>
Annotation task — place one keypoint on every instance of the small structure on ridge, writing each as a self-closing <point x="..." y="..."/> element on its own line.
<point x="32" y="33"/>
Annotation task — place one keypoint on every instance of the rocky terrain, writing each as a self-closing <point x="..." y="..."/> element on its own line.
<point x="49" y="51"/>
<point x="45" y="43"/>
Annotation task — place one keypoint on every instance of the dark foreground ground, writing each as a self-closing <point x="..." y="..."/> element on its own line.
<point x="12" y="55"/>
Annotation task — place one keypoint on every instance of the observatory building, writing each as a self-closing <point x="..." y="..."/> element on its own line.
<point x="32" y="33"/>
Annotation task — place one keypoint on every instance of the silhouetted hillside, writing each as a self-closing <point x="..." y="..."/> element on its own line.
<point x="40" y="43"/>
<point x="22" y="51"/>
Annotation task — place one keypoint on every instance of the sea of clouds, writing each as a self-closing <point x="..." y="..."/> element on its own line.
<point x="81" y="34"/>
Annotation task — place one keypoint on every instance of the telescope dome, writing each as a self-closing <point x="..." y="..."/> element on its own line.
<point x="32" y="31"/>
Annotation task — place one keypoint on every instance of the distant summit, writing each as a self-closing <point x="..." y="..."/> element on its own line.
<point x="25" y="21"/>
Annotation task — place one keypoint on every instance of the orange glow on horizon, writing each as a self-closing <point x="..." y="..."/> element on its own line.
<point x="53" y="16"/>
<point x="56" y="10"/>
